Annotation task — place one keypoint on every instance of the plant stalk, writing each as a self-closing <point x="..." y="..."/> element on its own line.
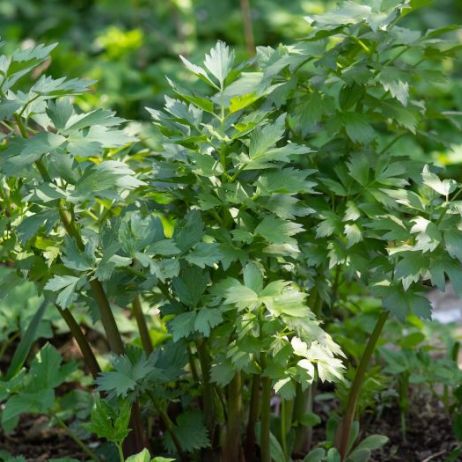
<point x="287" y="407"/>
<point x="207" y="388"/>
<point x="344" y="431"/>
<point x="254" y="411"/>
<point x="265" y="453"/>
<point x="107" y="318"/>
<point x="248" y="28"/>
<point x="303" y="404"/>
<point x="85" y="348"/>
<point x="138" y="314"/>
<point x="232" y="447"/>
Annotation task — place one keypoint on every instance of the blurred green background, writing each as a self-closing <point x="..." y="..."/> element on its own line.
<point x="130" y="46"/>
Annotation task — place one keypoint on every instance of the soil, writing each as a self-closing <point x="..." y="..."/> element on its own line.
<point x="37" y="442"/>
<point x="429" y="436"/>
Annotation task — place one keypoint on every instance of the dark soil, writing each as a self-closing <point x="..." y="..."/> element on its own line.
<point x="429" y="435"/>
<point x="37" y="442"/>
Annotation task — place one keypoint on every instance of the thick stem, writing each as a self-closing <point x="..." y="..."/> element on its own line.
<point x="138" y="314"/>
<point x="265" y="453"/>
<point x="232" y="447"/>
<point x="287" y="407"/>
<point x="248" y="28"/>
<point x="343" y="435"/>
<point x="136" y="439"/>
<point x="207" y="388"/>
<point x="254" y="411"/>
<point x="85" y="348"/>
<point x="303" y="404"/>
<point x="107" y="318"/>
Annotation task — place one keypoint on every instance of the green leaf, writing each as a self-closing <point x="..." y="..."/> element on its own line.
<point x="310" y="419"/>
<point x="46" y="369"/>
<point x="443" y="187"/>
<point x="241" y="296"/>
<point x="183" y="325"/>
<point x="392" y="81"/>
<point x="348" y="13"/>
<point x="23" y="349"/>
<point x="263" y="139"/>
<point x="278" y="231"/>
<point x="253" y="277"/>
<point x="222" y="373"/>
<point x="453" y="240"/>
<point x="372" y="442"/>
<point x="333" y="455"/>
<point x="353" y="234"/>
<point x="410" y="267"/>
<point x="110" y="422"/>
<point x="24" y="152"/>
<point x="25" y="403"/>
<point x="125" y="377"/>
<point x="285" y="388"/>
<point x="190" y="431"/>
<point x="219" y="61"/>
<point x="106" y="176"/>
<point x="66" y="286"/>
<point x="190" y="231"/>
<point x="358" y="128"/>
<point x="207" y="319"/>
<point x="401" y="303"/>
<point x="204" y="254"/>
<point x="190" y="285"/>
<point x="359" y="167"/>
<point x="74" y="259"/>
<point x="98" y="117"/>
<point x="315" y="455"/>
<point x="359" y="455"/>
<point x="59" y="112"/>
<point x="285" y="181"/>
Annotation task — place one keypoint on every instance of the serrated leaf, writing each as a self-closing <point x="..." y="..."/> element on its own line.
<point x="358" y="128"/>
<point x="353" y="234"/>
<point x="278" y="231"/>
<point x="443" y="187"/>
<point x="183" y="325"/>
<point x="206" y="319"/>
<point x="106" y="176"/>
<point x="110" y="422"/>
<point x="190" y="431"/>
<point x="125" y="377"/>
<point x="66" y="286"/>
<point x="219" y="61"/>
<point x="253" y="277"/>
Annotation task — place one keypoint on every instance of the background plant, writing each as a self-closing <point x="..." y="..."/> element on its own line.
<point x="235" y="230"/>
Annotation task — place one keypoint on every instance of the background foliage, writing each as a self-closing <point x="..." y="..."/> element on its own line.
<point x="129" y="48"/>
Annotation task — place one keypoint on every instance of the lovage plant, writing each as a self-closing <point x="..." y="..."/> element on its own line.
<point x="301" y="164"/>
<point x="282" y="187"/>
